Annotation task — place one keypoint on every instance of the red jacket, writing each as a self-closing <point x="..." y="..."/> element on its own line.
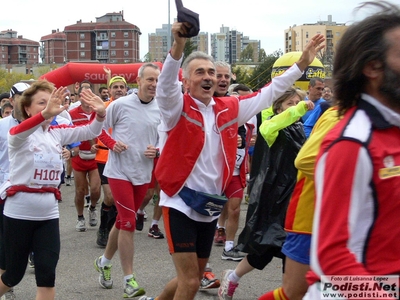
<point x="186" y="141"/>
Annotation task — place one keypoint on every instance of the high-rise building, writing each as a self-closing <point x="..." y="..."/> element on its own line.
<point x="108" y="40"/>
<point x="14" y="49"/>
<point x="158" y="43"/>
<point x="227" y="45"/>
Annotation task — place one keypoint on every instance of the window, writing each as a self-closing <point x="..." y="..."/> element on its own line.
<point x="82" y="53"/>
<point x="112" y="44"/>
<point x="82" y="45"/>
<point x="113" y="53"/>
<point x="2" y="48"/>
<point x="126" y="44"/>
<point x="3" y="56"/>
<point x="34" y="57"/>
<point x="307" y="34"/>
<point x="34" y="49"/>
<point x="126" y="53"/>
<point x="82" y="35"/>
<point x="112" y="34"/>
<point x="126" y="33"/>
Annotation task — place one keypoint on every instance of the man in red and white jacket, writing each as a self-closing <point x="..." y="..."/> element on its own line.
<point x="200" y="135"/>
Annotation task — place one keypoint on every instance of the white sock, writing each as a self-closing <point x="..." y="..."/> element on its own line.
<point x="154" y="222"/>
<point x="233" y="277"/>
<point x="105" y="261"/>
<point x="208" y="268"/>
<point x="229" y="245"/>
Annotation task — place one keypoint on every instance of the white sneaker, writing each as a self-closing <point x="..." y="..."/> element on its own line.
<point x="105" y="280"/>
<point x="227" y="288"/>
<point x="80" y="225"/>
<point x="92" y="217"/>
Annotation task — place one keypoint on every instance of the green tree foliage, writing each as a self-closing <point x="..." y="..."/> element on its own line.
<point x="262" y="73"/>
<point x="43" y="70"/>
<point x="247" y="54"/>
<point x="7" y="80"/>
<point x="147" y="57"/>
<point x="189" y="48"/>
<point x="242" y="74"/>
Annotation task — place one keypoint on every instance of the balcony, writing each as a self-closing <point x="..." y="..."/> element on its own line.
<point x="102" y="37"/>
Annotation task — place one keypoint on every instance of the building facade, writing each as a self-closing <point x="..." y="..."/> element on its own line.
<point x="54" y="48"/>
<point x="108" y="40"/>
<point x="14" y="49"/>
<point x="158" y="43"/>
<point x="227" y="45"/>
<point x="297" y="37"/>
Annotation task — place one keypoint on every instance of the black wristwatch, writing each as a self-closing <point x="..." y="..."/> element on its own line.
<point x="158" y="153"/>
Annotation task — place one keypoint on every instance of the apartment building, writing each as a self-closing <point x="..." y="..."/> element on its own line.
<point x="158" y="43"/>
<point x="297" y="36"/>
<point x="108" y="40"/>
<point x="15" y="50"/>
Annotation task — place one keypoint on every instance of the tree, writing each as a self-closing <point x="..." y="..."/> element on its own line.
<point x="7" y="80"/>
<point x="189" y="48"/>
<point x="242" y="74"/>
<point x="262" y="73"/>
<point x="247" y="54"/>
<point x="262" y="56"/>
<point x="147" y="57"/>
<point x="326" y="58"/>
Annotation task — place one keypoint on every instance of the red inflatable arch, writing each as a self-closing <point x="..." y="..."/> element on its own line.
<point x="76" y="72"/>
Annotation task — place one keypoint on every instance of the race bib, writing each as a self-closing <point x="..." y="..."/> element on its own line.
<point x="240" y="153"/>
<point x="47" y="169"/>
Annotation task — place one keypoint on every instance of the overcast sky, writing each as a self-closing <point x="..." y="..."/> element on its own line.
<point x="257" y="19"/>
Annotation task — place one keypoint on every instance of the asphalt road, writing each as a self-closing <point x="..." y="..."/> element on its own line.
<point x="77" y="278"/>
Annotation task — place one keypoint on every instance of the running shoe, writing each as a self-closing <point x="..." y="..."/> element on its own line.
<point x="227" y="288"/>
<point x="80" y="225"/>
<point x="92" y="216"/>
<point x="105" y="280"/>
<point x="220" y="237"/>
<point x="155" y="232"/>
<point x="132" y="289"/>
<point x="209" y="281"/>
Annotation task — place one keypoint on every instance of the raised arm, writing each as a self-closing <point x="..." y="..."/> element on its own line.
<point x="310" y="51"/>
<point x="178" y="29"/>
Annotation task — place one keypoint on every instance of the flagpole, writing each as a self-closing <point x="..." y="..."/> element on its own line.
<point x="169" y="29"/>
